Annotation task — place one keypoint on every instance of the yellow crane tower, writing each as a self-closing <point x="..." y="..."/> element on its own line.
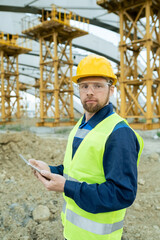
<point x="140" y="60"/>
<point x="55" y="32"/>
<point x="10" y="48"/>
<point x="36" y="86"/>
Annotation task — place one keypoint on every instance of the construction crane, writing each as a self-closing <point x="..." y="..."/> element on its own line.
<point x="139" y="60"/>
<point x="55" y="30"/>
<point x="10" y="48"/>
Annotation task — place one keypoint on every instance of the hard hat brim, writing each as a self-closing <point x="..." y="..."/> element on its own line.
<point x="75" y="78"/>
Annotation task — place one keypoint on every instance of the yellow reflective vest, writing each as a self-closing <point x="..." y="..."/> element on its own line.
<point x="87" y="166"/>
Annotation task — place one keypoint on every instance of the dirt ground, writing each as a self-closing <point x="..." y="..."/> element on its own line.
<point x="21" y="193"/>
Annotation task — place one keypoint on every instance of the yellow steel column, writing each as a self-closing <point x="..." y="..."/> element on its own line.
<point x="17" y="88"/>
<point x="41" y="81"/>
<point x="159" y="60"/>
<point x="135" y="71"/>
<point x="122" y="77"/>
<point x="37" y="102"/>
<point x="56" y="87"/>
<point x="71" y="84"/>
<point x="2" y="87"/>
<point x="149" y="70"/>
<point x="7" y="93"/>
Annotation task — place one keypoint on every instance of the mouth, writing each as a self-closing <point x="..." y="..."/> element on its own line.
<point x="90" y="101"/>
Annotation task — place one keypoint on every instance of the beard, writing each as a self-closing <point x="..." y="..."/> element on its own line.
<point x="94" y="107"/>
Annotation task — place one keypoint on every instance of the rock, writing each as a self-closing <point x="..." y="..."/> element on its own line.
<point x="52" y="156"/>
<point x="137" y="235"/>
<point x="137" y="206"/>
<point x="156" y="227"/>
<point x="41" y="213"/>
<point x="154" y="156"/>
<point x="13" y="205"/>
<point x="2" y="175"/>
<point x="141" y="181"/>
<point x="155" y="137"/>
<point x="9" y="137"/>
<point x="28" y="156"/>
<point x="10" y="180"/>
<point x="26" y="238"/>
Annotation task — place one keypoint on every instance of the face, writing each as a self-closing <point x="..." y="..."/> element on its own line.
<point x="94" y="93"/>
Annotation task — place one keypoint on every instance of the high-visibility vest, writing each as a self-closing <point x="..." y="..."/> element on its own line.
<point x="87" y="166"/>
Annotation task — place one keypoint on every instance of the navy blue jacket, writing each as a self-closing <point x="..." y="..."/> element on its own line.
<point x="120" y="169"/>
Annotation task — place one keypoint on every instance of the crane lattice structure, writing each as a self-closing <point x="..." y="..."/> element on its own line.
<point x="37" y="99"/>
<point x="140" y="60"/>
<point x="10" y="48"/>
<point x="55" y="32"/>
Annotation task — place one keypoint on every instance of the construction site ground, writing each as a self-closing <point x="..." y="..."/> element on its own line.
<point x="28" y="211"/>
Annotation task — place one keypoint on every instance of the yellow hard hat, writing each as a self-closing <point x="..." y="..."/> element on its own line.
<point x="94" y="66"/>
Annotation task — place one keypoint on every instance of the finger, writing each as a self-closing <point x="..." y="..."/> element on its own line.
<point x="47" y="174"/>
<point x="33" y="162"/>
<point x="43" y="179"/>
<point x="35" y="173"/>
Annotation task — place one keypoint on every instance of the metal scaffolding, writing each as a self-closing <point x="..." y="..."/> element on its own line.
<point x="23" y="87"/>
<point x="140" y="60"/>
<point x="10" y="47"/>
<point x="37" y="99"/>
<point x="55" y="32"/>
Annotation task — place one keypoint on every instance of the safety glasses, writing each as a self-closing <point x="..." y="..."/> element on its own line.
<point x="95" y="86"/>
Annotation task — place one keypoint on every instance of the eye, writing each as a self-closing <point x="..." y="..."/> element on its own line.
<point x="97" y="85"/>
<point x="84" y="86"/>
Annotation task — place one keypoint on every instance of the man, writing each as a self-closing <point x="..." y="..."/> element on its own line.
<point x="99" y="174"/>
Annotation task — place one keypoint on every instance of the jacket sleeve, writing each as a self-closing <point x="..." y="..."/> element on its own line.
<point x="120" y="169"/>
<point x="57" y="169"/>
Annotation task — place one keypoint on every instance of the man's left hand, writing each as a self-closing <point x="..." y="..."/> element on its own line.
<point x="52" y="182"/>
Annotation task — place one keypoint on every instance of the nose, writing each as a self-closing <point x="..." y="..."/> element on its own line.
<point x="90" y="90"/>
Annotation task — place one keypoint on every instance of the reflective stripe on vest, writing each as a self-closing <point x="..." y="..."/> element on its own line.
<point x="64" y="206"/>
<point x="70" y="178"/>
<point x="81" y="133"/>
<point x="89" y="225"/>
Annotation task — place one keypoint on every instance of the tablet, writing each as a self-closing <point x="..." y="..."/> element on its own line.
<point x="38" y="170"/>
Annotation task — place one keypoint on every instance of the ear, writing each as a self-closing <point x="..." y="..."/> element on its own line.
<point x="111" y="90"/>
